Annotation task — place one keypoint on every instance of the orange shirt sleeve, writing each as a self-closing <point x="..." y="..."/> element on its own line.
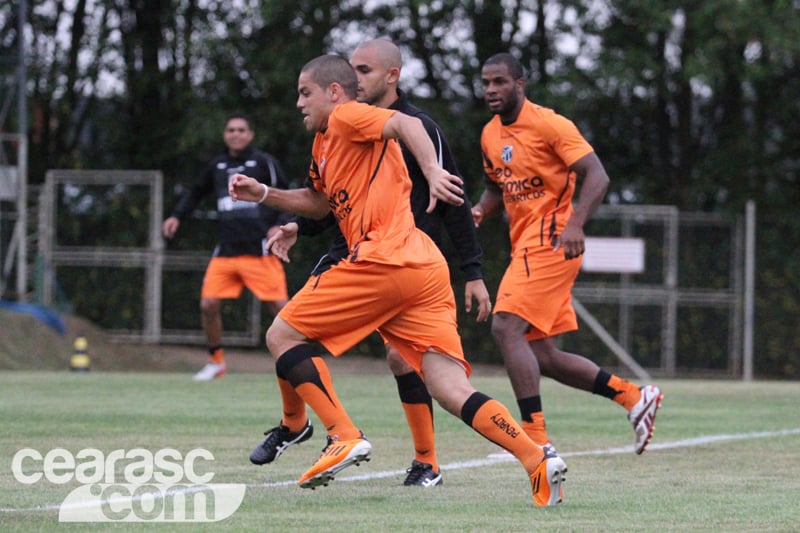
<point x="567" y="142"/>
<point x="360" y="123"/>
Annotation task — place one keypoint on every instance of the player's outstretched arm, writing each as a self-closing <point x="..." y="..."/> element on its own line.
<point x="305" y="202"/>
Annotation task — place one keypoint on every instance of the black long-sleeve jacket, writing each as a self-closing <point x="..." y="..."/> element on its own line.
<point x="456" y="220"/>
<point x="242" y="225"/>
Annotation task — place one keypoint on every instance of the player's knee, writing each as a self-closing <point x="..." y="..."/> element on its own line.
<point x="273" y="339"/>
<point x="506" y="327"/>
<point x="397" y="364"/>
<point x="545" y="361"/>
<point x="451" y="394"/>
<point x="209" y="306"/>
<point x="500" y="330"/>
<point x="547" y="355"/>
<point x="281" y="336"/>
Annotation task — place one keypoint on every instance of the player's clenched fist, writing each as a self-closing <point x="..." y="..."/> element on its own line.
<point x="242" y="187"/>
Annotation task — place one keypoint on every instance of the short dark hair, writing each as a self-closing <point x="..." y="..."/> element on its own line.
<point x="515" y="68"/>
<point x="239" y="115"/>
<point x="331" y="68"/>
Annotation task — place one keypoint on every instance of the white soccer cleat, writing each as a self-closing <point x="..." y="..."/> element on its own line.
<point x="210" y="371"/>
<point x="643" y="416"/>
<point x="547" y="481"/>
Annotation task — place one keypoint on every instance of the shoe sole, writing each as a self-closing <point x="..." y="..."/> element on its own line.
<point x="326" y="476"/>
<point x="427" y="483"/>
<point x="212" y="378"/>
<point x="556" y="470"/>
<point x="649" y="417"/>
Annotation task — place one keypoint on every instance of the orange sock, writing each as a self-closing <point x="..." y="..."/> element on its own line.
<point x="532" y="415"/>
<point x="492" y="420"/>
<point x="294" y="408"/>
<point x="420" y="422"/>
<point x="217" y="355"/>
<point x="537" y="429"/>
<point x="629" y="393"/>
<point x="325" y="403"/>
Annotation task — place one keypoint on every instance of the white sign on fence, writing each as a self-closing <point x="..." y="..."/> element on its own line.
<point x="614" y="254"/>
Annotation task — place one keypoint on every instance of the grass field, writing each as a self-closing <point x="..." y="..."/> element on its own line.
<point x="725" y="456"/>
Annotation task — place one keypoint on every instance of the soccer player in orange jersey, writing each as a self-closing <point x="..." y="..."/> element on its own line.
<point x="394" y="280"/>
<point x="532" y="160"/>
<point x="378" y="64"/>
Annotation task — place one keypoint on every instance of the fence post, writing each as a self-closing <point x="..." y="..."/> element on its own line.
<point x="749" y="284"/>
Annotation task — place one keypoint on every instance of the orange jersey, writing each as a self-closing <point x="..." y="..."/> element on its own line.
<point x="528" y="161"/>
<point x="368" y="188"/>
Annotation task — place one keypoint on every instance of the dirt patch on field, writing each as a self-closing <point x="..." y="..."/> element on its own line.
<point x="27" y="343"/>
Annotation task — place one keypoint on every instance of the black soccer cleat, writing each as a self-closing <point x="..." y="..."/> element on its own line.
<point x="422" y="475"/>
<point x="278" y="439"/>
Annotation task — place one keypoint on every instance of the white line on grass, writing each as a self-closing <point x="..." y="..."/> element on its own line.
<point x="492" y="458"/>
<point x="504" y="456"/>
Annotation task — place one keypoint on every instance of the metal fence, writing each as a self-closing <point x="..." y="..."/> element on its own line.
<point x="637" y="314"/>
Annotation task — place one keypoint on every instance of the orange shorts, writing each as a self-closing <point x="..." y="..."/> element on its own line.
<point x="263" y="275"/>
<point x="412" y="308"/>
<point x="537" y="287"/>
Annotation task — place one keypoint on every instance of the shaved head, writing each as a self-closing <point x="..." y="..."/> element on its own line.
<point x="386" y="52"/>
<point x="377" y="64"/>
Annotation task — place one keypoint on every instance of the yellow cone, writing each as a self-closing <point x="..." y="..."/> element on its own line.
<point x="79" y="362"/>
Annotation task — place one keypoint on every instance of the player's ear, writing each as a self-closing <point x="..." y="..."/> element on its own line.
<point x="393" y="75"/>
<point x="334" y="92"/>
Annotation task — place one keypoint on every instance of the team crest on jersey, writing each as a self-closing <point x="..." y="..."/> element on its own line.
<point x="506" y="155"/>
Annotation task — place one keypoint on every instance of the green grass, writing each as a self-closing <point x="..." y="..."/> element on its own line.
<point x="740" y="482"/>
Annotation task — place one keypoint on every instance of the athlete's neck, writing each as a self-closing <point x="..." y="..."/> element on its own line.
<point x="511" y="117"/>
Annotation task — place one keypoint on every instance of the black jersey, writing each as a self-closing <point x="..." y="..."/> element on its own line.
<point x="456" y="220"/>
<point x="242" y="225"/>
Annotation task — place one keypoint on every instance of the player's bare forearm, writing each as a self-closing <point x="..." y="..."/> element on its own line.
<point x="593" y="189"/>
<point x="476" y="289"/>
<point x="592" y="192"/>
<point x="304" y="202"/>
<point x="490" y="203"/>
<point x="443" y="185"/>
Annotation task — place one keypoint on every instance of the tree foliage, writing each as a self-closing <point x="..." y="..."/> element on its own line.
<point x="688" y="103"/>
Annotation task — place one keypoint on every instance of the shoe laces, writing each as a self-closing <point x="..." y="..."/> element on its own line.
<point x="417" y="471"/>
<point x="335" y="439"/>
<point x="328" y="444"/>
<point x="275" y="436"/>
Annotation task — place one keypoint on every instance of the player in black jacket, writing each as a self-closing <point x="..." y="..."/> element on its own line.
<point x="240" y="258"/>
<point x="377" y="64"/>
